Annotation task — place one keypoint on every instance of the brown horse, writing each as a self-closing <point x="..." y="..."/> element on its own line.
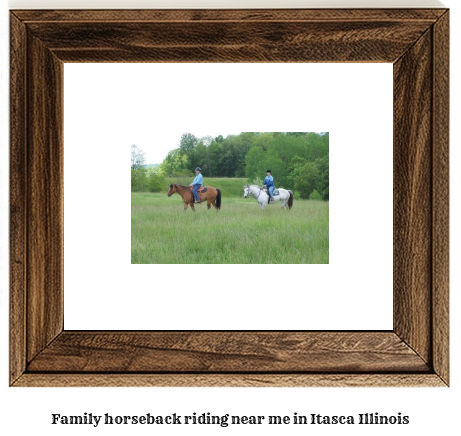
<point x="212" y="196"/>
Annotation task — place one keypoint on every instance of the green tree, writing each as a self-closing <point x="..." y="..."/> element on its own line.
<point x="199" y="158"/>
<point x="278" y="170"/>
<point x="187" y="143"/>
<point x="315" y="195"/>
<point x="250" y="154"/>
<point x="255" y="163"/>
<point x="175" y="163"/>
<point x="293" y="170"/>
<point x="155" y="180"/>
<point x="317" y="146"/>
<point x="242" y="144"/>
<point x="226" y="163"/>
<point x="214" y="152"/>
<point x="307" y="179"/>
<point x="323" y="165"/>
<point x="139" y="180"/>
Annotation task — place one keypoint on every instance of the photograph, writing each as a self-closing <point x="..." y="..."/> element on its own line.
<point x="258" y="198"/>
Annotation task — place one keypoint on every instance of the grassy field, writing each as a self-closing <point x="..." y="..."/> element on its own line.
<point x="161" y="232"/>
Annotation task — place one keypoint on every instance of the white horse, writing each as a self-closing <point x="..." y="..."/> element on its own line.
<point x="285" y="196"/>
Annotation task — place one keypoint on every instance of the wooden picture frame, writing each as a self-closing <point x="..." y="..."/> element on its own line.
<point x="414" y="353"/>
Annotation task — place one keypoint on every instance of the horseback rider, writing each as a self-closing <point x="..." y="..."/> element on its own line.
<point x="269" y="183"/>
<point x="196" y="184"/>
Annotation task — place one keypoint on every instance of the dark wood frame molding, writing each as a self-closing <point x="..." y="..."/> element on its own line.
<point x="414" y="353"/>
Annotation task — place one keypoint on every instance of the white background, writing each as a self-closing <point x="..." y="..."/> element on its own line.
<point x="28" y="410"/>
<point x="107" y="104"/>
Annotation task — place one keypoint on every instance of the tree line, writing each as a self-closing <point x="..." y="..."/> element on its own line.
<point x="298" y="160"/>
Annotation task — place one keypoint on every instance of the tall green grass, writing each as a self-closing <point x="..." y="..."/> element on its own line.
<point x="161" y="232"/>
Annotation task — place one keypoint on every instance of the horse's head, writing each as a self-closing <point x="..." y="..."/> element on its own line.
<point x="172" y="190"/>
<point x="246" y="191"/>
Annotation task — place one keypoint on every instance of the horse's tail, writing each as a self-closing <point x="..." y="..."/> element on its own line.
<point x="218" y="199"/>
<point x="290" y="200"/>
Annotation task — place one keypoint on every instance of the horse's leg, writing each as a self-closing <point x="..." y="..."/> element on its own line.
<point x="214" y="203"/>
<point x="190" y="201"/>
<point x="208" y="201"/>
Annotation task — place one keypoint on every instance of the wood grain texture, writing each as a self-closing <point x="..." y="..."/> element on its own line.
<point x="244" y="41"/>
<point x="230" y="380"/>
<point x="413" y="196"/>
<point x="45" y="178"/>
<point x="441" y="213"/>
<point x="414" y="354"/>
<point x="18" y="211"/>
<point x="236" y="352"/>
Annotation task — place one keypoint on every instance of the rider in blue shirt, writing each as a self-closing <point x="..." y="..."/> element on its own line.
<point x="269" y="182"/>
<point x="196" y="184"/>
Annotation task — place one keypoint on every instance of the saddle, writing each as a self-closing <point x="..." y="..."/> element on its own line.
<point x="201" y="189"/>
<point x="274" y="192"/>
